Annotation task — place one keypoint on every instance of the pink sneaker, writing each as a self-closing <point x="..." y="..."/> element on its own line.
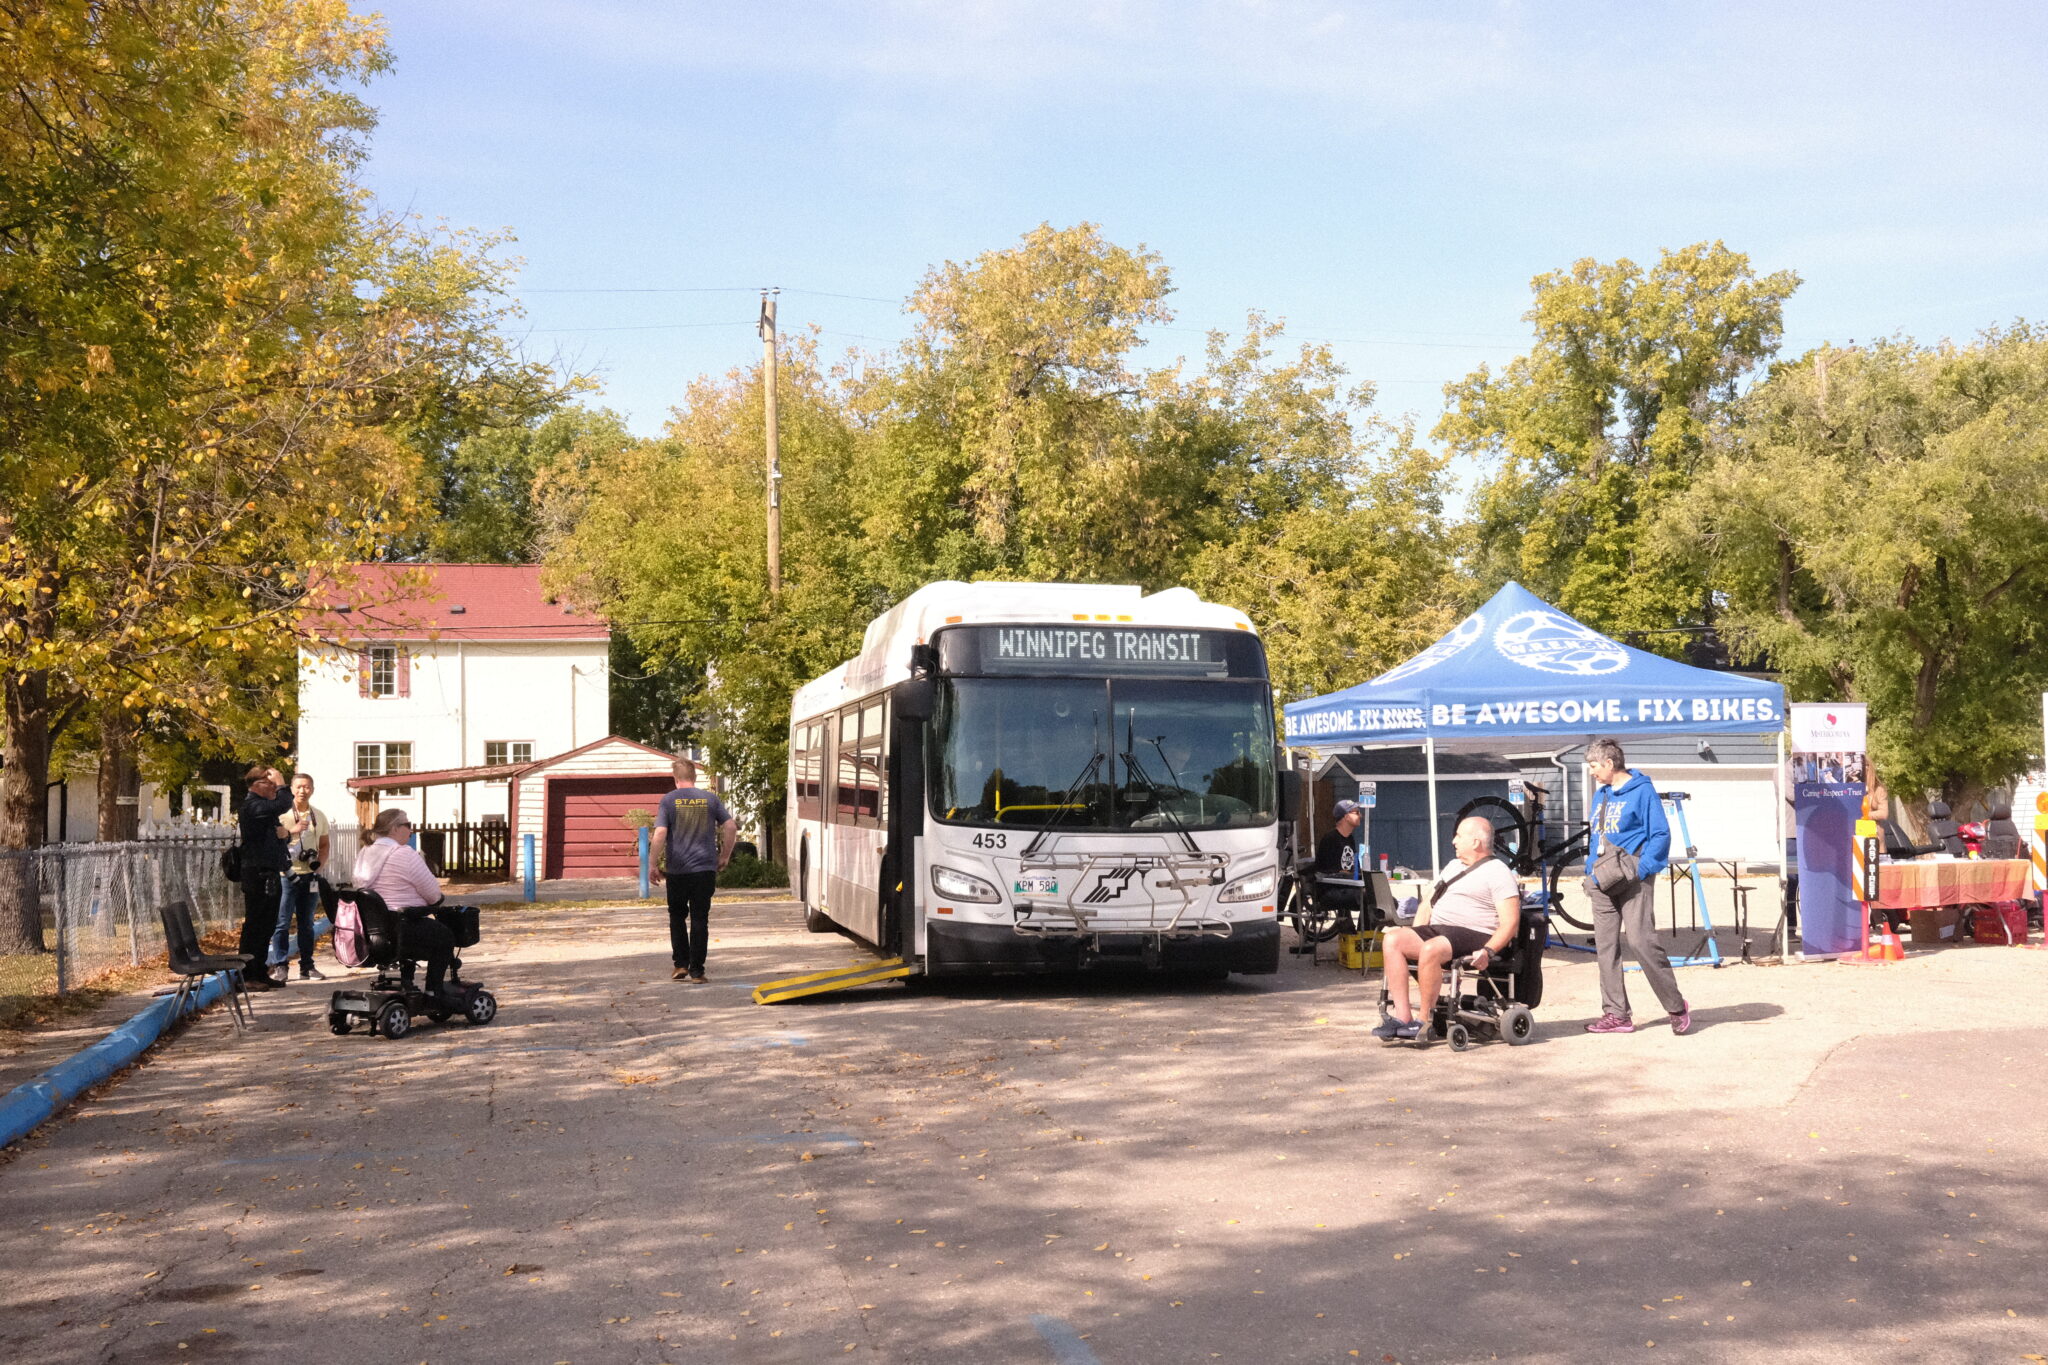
<point x="1612" y="1023"/>
<point x="1681" y="1022"/>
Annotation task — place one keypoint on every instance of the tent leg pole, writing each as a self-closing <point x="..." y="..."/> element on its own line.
<point x="1435" y="841"/>
<point x="1784" y="863"/>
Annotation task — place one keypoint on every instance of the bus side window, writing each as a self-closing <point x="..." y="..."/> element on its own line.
<point x="807" y="757"/>
<point x="872" y="771"/>
<point x="846" y="804"/>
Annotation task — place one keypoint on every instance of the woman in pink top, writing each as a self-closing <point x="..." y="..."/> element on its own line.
<point x="392" y="868"/>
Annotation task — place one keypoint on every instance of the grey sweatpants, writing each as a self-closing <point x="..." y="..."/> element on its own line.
<point x="1633" y="918"/>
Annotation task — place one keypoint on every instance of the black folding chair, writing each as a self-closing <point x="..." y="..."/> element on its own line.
<point x="193" y="966"/>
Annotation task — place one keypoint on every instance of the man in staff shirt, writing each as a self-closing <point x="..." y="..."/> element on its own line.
<point x="694" y="834"/>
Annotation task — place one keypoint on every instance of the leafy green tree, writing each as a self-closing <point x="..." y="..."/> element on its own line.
<point x="1014" y="439"/>
<point x="668" y="538"/>
<point x="650" y="701"/>
<point x="1879" y="528"/>
<point x="485" y="489"/>
<point x="1010" y="429"/>
<point x="1322" y="519"/>
<point x="1604" y="420"/>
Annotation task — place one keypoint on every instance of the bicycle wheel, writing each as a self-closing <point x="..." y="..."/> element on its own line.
<point x="1512" y="840"/>
<point x="1556" y="903"/>
<point x="1310" y="924"/>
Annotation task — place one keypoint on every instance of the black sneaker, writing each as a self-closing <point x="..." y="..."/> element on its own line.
<point x="308" y="972"/>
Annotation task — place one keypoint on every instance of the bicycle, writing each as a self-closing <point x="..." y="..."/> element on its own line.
<point x="1519" y="841"/>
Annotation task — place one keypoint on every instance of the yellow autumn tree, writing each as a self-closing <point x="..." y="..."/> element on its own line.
<point x="217" y="365"/>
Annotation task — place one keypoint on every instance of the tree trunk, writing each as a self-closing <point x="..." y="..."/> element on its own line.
<point x="24" y="809"/>
<point x="120" y="786"/>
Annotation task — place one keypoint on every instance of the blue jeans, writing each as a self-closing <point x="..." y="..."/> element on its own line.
<point x="302" y="894"/>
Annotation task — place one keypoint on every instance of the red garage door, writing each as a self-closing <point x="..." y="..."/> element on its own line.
<point x="587" y="831"/>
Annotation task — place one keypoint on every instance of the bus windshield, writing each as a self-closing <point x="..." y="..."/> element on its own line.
<point x="1097" y="754"/>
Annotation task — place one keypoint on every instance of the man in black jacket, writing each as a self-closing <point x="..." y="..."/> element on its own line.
<point x="265" y="856"/>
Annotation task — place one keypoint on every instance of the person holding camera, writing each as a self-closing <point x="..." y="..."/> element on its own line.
<point x="306" y="833"/>
<point x="263" y="860"/>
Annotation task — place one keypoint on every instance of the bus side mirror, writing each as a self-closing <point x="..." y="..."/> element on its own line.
<point x="1291" y="782"/>
<point x="913" y="699"/>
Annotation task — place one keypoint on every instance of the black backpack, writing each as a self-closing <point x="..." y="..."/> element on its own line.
<point x="231" y="863"/>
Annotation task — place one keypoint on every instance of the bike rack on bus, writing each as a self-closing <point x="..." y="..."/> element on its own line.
<point x="1187" y="871"/>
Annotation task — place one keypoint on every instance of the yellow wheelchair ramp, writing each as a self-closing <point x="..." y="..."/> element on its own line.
<point x="839" y="979"/>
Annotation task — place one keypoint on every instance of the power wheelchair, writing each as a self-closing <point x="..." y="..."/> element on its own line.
<point x="1499" y="1002"/>
<point x="387" y="1005"/>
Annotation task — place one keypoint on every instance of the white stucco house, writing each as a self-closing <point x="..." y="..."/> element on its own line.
<point x="446" y="666"/>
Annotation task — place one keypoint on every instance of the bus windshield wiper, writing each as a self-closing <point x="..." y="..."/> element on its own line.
<point x="1086" y="775"/>
<point x="1130" y="758"/>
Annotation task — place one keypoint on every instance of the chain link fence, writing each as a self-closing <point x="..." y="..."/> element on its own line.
<point x="98" y="902"/>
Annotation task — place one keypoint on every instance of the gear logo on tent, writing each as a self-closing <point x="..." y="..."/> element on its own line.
<point x="1462" y="637"/>
<point x="1554" y="643"/>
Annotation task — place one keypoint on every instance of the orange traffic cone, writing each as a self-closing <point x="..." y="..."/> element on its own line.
<point x="1873" y="950"/>
<point x="1894" y="951"/>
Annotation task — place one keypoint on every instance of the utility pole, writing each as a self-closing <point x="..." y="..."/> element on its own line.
<point x="774" y="442"/>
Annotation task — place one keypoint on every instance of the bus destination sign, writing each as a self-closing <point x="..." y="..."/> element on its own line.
<point x="1093" y="650"/>
<point x="1094" y="647"/>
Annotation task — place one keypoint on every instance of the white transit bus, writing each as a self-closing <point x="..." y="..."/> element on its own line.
<point x="1018" y="777"/>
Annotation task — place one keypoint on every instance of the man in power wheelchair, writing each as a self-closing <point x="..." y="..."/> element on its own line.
<point x="1479" y="934"/>
<point x="422" y="929"/>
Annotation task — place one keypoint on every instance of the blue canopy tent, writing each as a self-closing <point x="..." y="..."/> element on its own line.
<point x="1518" y="668"/>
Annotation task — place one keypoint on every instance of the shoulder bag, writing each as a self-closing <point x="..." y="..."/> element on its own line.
<point x="1615" y="867"/>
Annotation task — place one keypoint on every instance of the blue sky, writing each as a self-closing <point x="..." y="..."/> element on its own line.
<point x="1386" y="176"/>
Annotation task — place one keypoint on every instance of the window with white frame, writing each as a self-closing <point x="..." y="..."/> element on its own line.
<point x="382" y="758"/>
<point x="383" y="671"/>
<point x="501" y="753"/>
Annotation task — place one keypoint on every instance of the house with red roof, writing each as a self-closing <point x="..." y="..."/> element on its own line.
<point x="442" y="667"/>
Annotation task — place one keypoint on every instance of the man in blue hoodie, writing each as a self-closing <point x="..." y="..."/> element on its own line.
<point x="1628" y="815"/>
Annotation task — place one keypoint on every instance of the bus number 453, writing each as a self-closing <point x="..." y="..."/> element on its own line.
<point x="991" y="841"/>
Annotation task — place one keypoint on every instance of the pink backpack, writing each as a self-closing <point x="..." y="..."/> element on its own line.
<point x="351" y="943"/>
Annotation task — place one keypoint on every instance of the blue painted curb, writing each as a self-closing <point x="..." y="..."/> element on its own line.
<point x="29" y="1105"/>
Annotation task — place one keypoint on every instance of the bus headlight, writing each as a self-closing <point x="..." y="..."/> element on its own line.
<point x="958" y="886"/>
<point x="1258" y="886"/>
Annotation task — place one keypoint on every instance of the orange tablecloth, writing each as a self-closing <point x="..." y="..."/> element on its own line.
<point x="1923" y="885"/>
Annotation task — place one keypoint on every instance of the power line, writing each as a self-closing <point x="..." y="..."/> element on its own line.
<point x="648" y="327"/>
<point x="699" y="289"/>
<point x="709" y="289"/>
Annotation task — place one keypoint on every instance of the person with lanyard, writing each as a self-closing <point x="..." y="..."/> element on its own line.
<point x="1628" y="819"/>
<point x="693" y="835"/>
<point x="1473" y="913"/>
<point x="306" y="832"/>
<point x="263" y="862"/>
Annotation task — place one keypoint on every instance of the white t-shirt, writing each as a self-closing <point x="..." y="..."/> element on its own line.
<point x="1474" y="903"/>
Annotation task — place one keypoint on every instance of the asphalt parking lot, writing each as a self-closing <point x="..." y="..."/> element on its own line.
<point x="1841" y="1163"/>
